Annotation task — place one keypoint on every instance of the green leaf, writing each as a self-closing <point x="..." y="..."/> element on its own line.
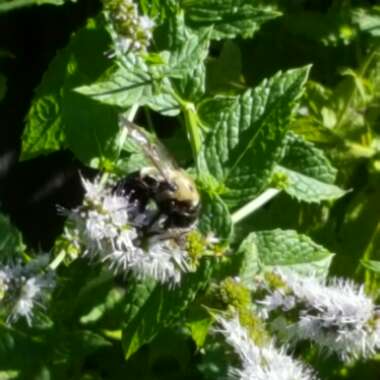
<point x="133" y="83"/>
<point x="19" y="351"/>
<point x="105" y="307"/>
<point x="192" y="83"/>
<point x="81" y="343"/>
<point x="190" y="54"/>
<point x="79" y="287"/>
<point x="304" y="157"/>
<point x="11" y="244"/>
<point x="247" y="138"/>
<point x="9" y="375"/>
<point x="229" y="18"/>
<point x="9" y="5"/>
<point x="123" y="86"/>
<point x="199" y="329"/>
<point x="60" y="351"/>
<point x="368" y="20"/>
<point x="309" y="174"/>
<point x="90" y="127"/>
<point x="138" y="81"/>
<point x="161" y="307"/>
<point x="43" y="132"/>
<point x="139" y="292"/>
<point x="156" y="8"/>
<point x="358" y="236"/>
<point x="286" y="249"/>
<point x="372" y="265"/>
<point x="215" y="217"/>
<point x="308" y="189"/>
<point x="58" y="118"/>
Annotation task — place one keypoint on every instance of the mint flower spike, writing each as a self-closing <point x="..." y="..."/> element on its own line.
<point x="164" y="260"/>
<point x="260" y="363"/>
<point x="23" y="287"/>
<point x="108" y="227"/>
<point x="131" y="31"/>
<point x="102" y="223"/>
<point x="338" y="317"/>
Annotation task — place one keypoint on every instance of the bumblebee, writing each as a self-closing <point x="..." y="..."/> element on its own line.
<point x="175" y="198"/>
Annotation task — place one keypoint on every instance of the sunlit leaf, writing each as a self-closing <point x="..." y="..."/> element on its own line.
<point x="247" y="138"/>
<point x="229" y="18"/>
<point x="285" y="249"/>
<point x="11" y="244"/>
<point x="161" y="307"/>
<point x="9" y="5"/>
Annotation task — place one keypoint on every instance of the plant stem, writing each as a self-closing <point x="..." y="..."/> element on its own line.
<point x="124" y="132"/>
<point x="360" y="151"/>
<point x="121" y="139"/>
<point x="149" y="120"/>
<point x="369" y="277"/>
<point x="57" y="260"/>
<point x="254" y="205"/>
<point x="192" y="125"/>
<point x="132" y="112"/>
<point x="192" y="128"/>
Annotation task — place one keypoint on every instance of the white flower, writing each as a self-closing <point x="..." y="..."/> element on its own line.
<point x="338" y="317"/>
<point x="146" y="23"/>
<point x="122" y="252"/>
<point x="131" y="31"/>
<point x="102" y="224"/>
<point x="23" y="288"/>
<point x="122" y="44"/>
<point x="260" y="363"/>
<point x="30" y="291"/>
<point x="110" y="229"/>
<point x="164" y="260"/>
<point x="94" y="190"/>
<point x="4" y="281"/>
<point x="278" y="299"/>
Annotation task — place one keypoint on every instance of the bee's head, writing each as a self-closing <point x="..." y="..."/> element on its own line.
<point x="179" y="195"/>
<point x="180" y="187"/>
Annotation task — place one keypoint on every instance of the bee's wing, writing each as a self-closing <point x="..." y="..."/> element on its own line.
<point x="153" y="149"/>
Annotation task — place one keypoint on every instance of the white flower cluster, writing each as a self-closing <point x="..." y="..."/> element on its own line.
<point x="23" y="287"/>
<point x="260" y="363"/>
<point x="338" y="317"/>
<point x="107" y="226"/>
<point x="133" y="32"/>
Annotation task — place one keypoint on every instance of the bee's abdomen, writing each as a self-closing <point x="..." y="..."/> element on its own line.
<point x="134" y="187"/>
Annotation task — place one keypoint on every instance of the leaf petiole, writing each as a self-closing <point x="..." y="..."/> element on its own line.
<point x="57" y="260"/>
<point x="192" y="124"/>
<point x="254" y="205"/>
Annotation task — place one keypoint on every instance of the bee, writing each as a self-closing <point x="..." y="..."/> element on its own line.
<point x="175" y="198"/>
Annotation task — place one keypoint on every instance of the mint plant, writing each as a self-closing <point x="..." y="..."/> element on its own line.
<point x="244" y="298"/>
